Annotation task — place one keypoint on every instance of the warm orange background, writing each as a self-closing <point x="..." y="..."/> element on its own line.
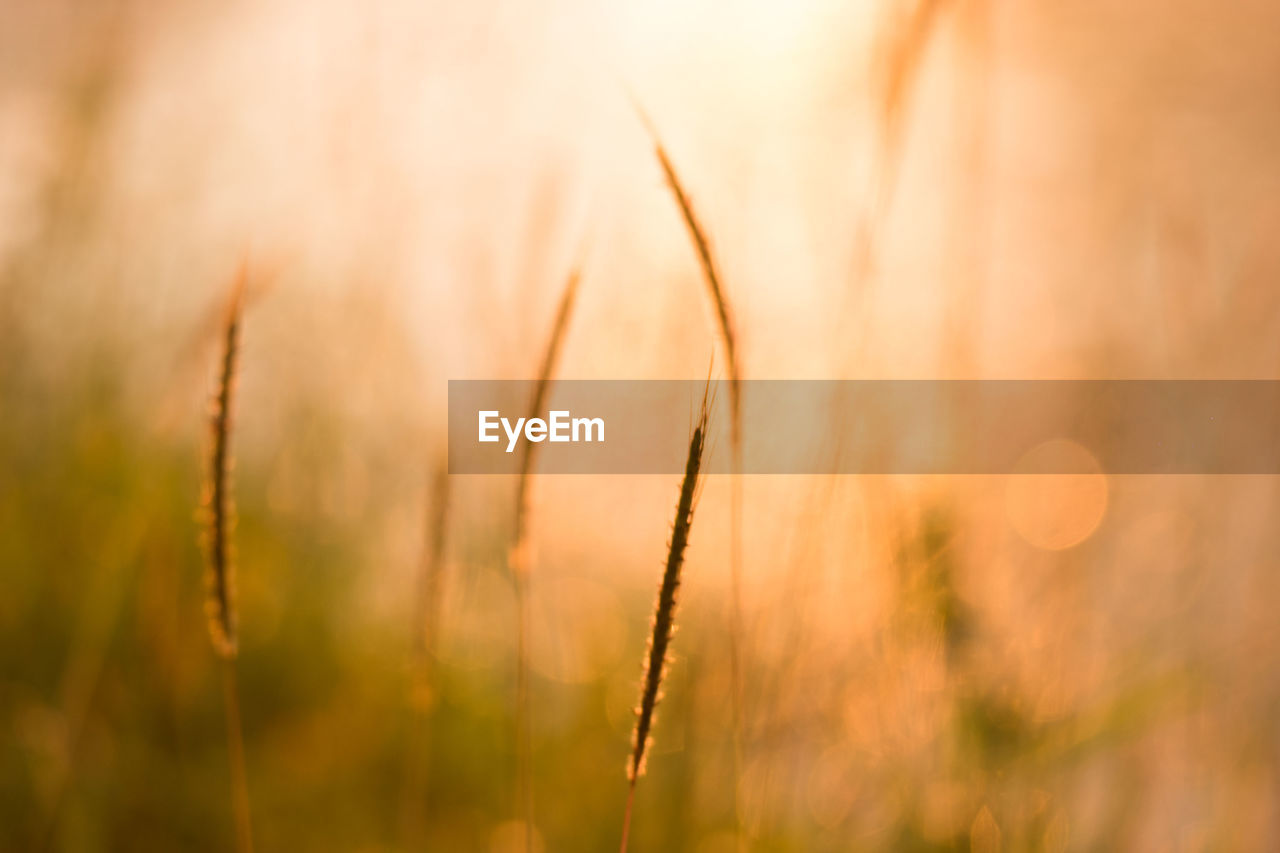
<point x="968" y="189"/>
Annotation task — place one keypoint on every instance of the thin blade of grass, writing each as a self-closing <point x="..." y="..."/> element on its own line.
<point x="728" y="338"/>
<point x="520" y="561"/>
<point x="219" y="506"/>
<point x="425" y="687"/>
<point x="220" y="598"/>
<point x="656" y="658"/>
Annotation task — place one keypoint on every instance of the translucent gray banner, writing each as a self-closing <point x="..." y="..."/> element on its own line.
<point x="873" y="427"/>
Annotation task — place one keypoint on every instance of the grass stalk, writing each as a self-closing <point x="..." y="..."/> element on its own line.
<point x="656" y="658"/>
<point x="425" y="688"/>
<point x="520" y="563"/>
<point x="219" y="506"/>
<point x="905" y="50"/>
<point x="431" y="579"/>
<point x="235" y="752"/>
<point x="728" y="339"/>
<point x="220" y="591"/>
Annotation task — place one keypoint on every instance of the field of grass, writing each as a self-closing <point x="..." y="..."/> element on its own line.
<point x="245" y="606"/>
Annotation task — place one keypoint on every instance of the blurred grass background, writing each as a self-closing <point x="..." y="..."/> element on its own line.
<point x="1088" y="191"/>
